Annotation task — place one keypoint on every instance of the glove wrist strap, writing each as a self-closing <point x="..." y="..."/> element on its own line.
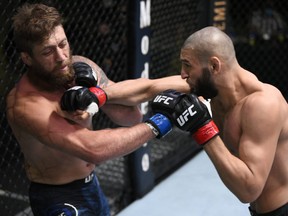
<point x="161" y="124"/>
<point x="101" y="95"/>
<point x="154" y="130"/>
<point x="205" y="133"/>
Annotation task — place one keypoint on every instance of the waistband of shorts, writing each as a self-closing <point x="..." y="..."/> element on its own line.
<point x="272" y="213"/>
<point x="80" y="182"/>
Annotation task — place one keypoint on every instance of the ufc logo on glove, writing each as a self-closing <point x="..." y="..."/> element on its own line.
<point x="160" y="98"/>
<point x="183" y="118"/>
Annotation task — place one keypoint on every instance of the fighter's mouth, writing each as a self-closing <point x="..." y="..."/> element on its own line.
<point x="62" y="68"/>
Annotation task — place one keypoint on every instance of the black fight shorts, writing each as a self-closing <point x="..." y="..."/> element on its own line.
<point x="78" y="198"/>
<point x="282" y="211"/>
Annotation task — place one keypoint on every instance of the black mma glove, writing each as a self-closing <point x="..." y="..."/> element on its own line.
<point x="82" y="98"/>
<point x="163" y="106"/>
<point x="193" y="115"/>
<point x="85" y="75"/>
<point x="166" y="101"/>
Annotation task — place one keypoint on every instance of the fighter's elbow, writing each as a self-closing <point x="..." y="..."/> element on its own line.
<point x="249" y="194"/>
<point x="96" y="157"/>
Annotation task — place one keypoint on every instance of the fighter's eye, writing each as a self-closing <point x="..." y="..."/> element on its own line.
<point x="186" y="65"/>
<point x="47" y="51"/>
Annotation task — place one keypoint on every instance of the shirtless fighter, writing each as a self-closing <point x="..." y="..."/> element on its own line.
<point x="59" y="147"/>
<point x="250" y="154"/>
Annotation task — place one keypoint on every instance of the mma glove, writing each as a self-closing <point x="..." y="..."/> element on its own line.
<point x="85" y="75"/>
<point x="193" y="115"/>
<point x="82" y="98"/>
<point x="163" y="106"/>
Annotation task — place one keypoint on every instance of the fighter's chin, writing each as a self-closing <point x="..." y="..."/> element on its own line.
<point x="209" y="95"/>
<point x="198" y="93"/>
<point x="193" y="89"/>
<point x="64" y="69"/>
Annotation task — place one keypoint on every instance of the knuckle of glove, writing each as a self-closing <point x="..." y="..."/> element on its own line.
<point x="84" y="75"/>
<point x="67" y="100"/>
<point x="190" y="114"/>
<point x="77" y="98"/>
<point x="166" y="101"/>
<point x="85" y="98"/>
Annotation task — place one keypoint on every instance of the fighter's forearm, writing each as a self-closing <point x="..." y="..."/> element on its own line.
<point x="132" y="92"/>
<point x="123" y="115"/>
<point x="238" y="177"/>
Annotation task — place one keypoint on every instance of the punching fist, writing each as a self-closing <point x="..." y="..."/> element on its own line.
<point x="82" y="98"/>
<point x="166" y="101"/>
<point x="163" y="106"/>
<point x="85" y="75"/>
<point x="192" y="115"/>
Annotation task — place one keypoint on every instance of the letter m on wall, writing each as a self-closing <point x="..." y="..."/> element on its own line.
<point x="145" y="18"/>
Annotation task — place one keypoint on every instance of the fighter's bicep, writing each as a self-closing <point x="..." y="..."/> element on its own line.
<point x="259" y="137"/>
<point x="260" y="122"/>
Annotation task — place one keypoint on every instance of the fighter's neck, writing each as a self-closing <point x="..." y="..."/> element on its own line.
<point x="236" y="87"/>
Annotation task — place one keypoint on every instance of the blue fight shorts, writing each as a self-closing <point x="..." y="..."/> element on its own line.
<point x="282" y="211"/>
<point x="79" y="198"/>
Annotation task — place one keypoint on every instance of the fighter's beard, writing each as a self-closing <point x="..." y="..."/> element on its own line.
<point x="205" y="86"/>
<point x="64" y="80"/>
<point x="51" y="81"/>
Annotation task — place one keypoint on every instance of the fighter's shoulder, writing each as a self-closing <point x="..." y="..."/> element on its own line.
<point x="77" y="58"/>
<point x="264" y="102"/>
<point x="30" y="98"/>
<point x="26" y="107"/>
<point x="267" y="94"/>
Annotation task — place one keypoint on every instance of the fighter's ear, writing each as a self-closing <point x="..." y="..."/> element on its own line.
<point x="26" y="58"/>
<point x="215" y="64"/>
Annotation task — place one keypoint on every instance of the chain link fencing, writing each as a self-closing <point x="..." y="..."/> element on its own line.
<point x="98" y="30"/>
<point x="260" y="32"/>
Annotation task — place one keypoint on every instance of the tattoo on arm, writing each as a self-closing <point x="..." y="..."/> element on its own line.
<point x="103" y="79"/>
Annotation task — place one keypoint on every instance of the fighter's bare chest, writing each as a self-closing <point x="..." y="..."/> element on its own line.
<point x="231" y="129"/>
